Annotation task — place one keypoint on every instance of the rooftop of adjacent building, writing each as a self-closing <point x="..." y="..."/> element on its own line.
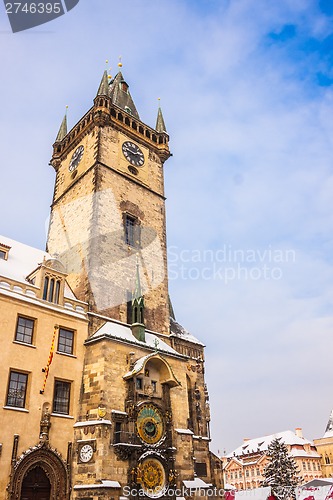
<point x="299" y="446"/>
<point x="18" y="261"/>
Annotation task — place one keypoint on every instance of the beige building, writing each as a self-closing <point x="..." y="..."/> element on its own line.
<point x="324" y="446"/>
<point x="126" y="408"/>
<point x="243" y="467"/>
<point x="42" y="332"/>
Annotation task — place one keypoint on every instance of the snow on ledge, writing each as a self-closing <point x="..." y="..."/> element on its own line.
<point x="92" y="422"/>
<point x="103" y="484"/>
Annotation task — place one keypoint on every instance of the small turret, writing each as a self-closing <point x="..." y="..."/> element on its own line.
<point x="160" y="125"/>
<point x="138" y="327"/>
<point x="62" y="130"/>
<point x="103" y="88"/>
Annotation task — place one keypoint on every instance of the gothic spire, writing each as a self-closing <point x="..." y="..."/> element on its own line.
<point x="103" y="88"/>
<point x="138" y="327"/>
<point x="160" y="125"/>
<point x="62" y="130"/>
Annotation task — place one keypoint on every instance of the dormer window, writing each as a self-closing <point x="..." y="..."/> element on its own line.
<point x="4" y="251"/>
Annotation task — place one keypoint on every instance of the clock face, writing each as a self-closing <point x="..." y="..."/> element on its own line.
<point x="76" y="158"/>
<point x="152" y="477"/>
<point x="150" y="424"/>
<point x="133" y="154"/>
<point x="86" y="453"/>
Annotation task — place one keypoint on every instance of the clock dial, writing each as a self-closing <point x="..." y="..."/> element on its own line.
<point x="150" y="424"/>
<point x="86" y="453"/>
<point x="152" y="477"/>
<point x="133" y="154"/>
<point x="76" y="158"/>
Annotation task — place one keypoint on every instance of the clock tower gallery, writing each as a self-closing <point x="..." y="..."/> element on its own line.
<point x="143" y="412"/>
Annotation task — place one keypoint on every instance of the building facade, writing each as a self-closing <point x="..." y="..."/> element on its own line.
<point x="243" y="467"/>
<point x="137" y="421"/>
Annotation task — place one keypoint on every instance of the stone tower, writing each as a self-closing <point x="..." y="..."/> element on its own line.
<point x="109" y="206"/>
<point x="143" y="412"/>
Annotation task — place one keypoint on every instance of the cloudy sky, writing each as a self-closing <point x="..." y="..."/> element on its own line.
<point x="246" y="91"/>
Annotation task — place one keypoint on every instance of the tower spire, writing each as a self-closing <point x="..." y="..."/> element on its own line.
<point x="63" y="128"/>
<point x="103" y="88"/>
<point x="138" y="327"/>
<point x="160" y="125"/>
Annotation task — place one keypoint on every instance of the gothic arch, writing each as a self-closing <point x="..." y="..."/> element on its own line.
<point x="52" y="464"/>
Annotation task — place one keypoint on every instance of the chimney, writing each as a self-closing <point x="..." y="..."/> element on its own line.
<point x="298" y="432"/>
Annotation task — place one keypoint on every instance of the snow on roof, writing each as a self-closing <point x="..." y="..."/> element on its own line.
<point x="261" y="443"/>
<point x="122" y="331"/>
<point x="179" y="331"/>
<point x="196" y="483"/>
<point x="22" y="260"/>
<point x="313" y="493"/>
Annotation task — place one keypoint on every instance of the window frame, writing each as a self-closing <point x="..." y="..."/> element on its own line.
<point x="26" y="375"/>
<point x="61" y="328"/>
<point x="69" y="385"/>
<point x="28" y="318"/>
<point x="132" y="238"/>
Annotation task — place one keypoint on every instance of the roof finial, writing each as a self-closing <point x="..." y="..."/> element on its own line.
<point x="120" y="64"/>
<point x="108" y="70"/>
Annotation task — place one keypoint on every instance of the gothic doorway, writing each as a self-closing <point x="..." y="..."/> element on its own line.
<point x="36" y="485"/>
<point x="39" y="474"/>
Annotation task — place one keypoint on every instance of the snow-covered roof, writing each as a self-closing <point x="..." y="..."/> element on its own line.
<point x="314" y="493"/>
<point x="122" y="331"/>
<point x="261" y="443"/>
<point x="196" y="483"/>
<point x="22" y="260"/>
<point x="178" y="330"/>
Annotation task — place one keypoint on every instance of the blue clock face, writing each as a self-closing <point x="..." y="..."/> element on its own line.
<point x="133" y="154"/>
<point x="76" y="158"/>
<point x="150" y="424"/>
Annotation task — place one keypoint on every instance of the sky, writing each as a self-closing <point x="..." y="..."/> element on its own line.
<point x="246" y="88"/>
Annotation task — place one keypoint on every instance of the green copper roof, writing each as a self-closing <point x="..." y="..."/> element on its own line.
<point x="160" y="125"/>
<point x="62" y="130"/>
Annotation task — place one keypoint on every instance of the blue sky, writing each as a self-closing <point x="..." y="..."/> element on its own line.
<point x="246" y="91"/>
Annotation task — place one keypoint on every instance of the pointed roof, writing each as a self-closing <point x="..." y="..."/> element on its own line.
<point x="160" y="125"/>
<point x="103" y="88"/>
<point x="137" y="291"/>
<point x="329" y="427"/>
<point x="62" y="130"/>
<point x="121" y="96"/>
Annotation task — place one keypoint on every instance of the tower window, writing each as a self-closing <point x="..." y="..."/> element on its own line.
<point x="131" y="231"/>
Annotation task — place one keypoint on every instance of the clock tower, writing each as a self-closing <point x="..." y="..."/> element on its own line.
<point x="143" y="412"/>
<point x="108" y="207"/>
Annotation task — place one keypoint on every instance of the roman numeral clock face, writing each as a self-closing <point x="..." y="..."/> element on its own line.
<point x="133" y="154"/>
